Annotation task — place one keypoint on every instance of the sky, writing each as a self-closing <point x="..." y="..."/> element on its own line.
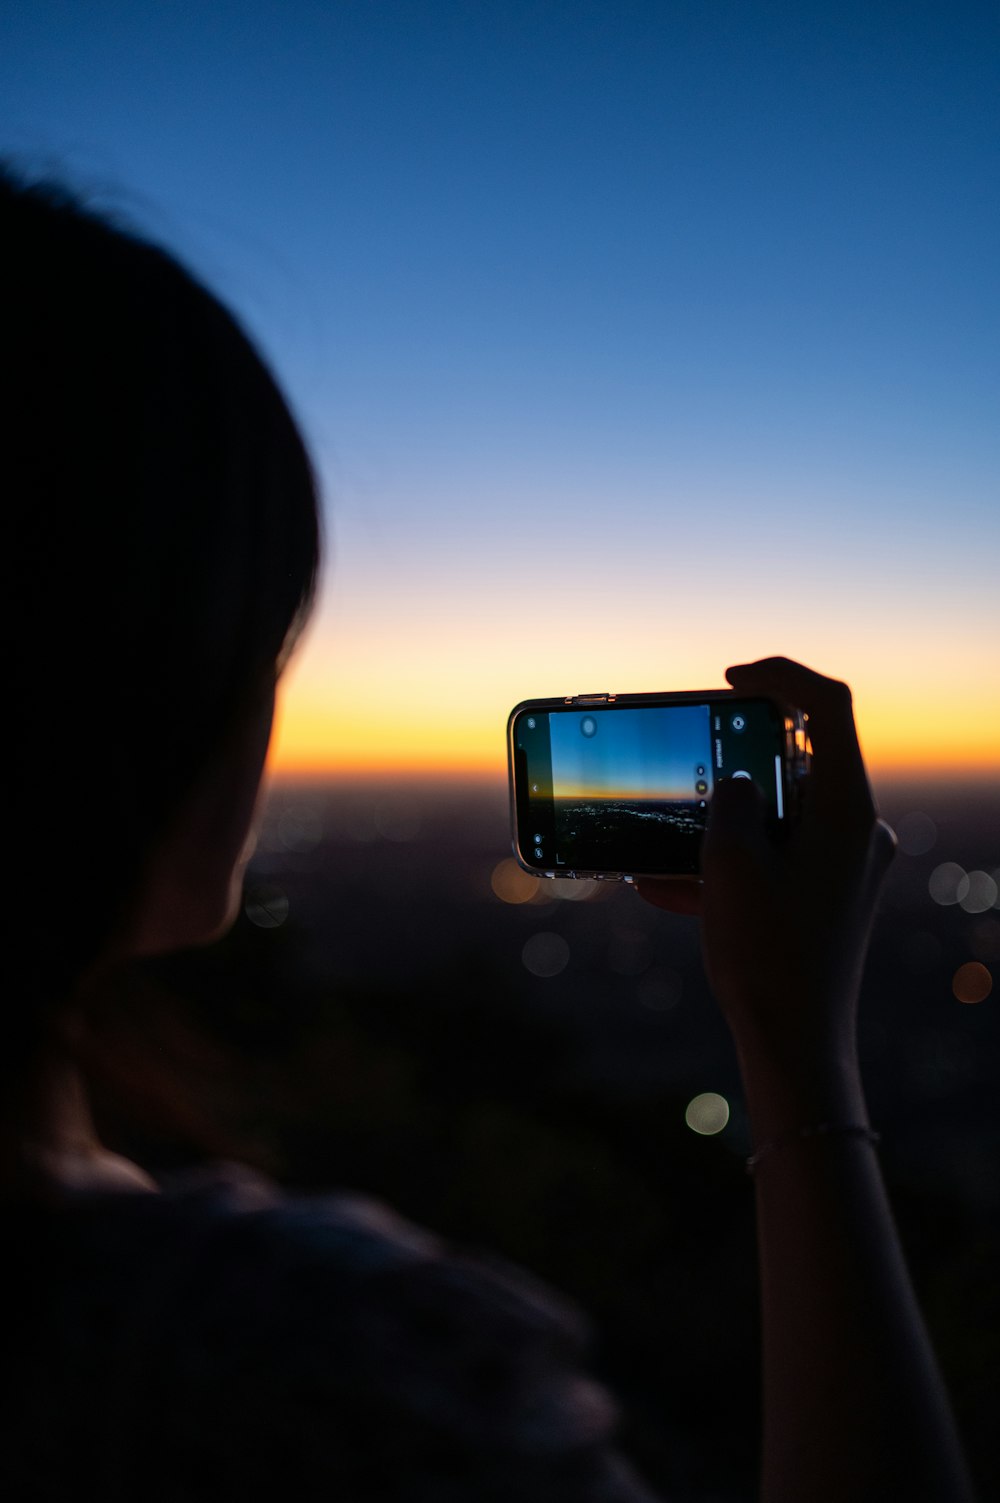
<point x="631" y="339"/>
<point x="630" y="753"/>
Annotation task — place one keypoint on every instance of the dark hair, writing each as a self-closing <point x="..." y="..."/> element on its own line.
<point x="162" y="543"/>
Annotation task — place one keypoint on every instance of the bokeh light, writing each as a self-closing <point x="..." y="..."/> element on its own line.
<point x="659" y="989"/>
<point x="266" y="906"/>
<point x="396" y="819"/>
<point x="511" y="883"/>
<point x="630" y="952"/>
<point x="916" y="833"/>
<point x="948" y="883"/>
<point x="972" y="982"/>
<point x="575" y="890"/>
<point x="707" y="1114"/>
<point x="358" y="822"/>
<point x="981" y="893"/>
<point x="545" y="954"/>
<point x="298" y="830"/>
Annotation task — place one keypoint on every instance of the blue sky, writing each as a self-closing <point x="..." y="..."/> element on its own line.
<point x="632" y="339"/>
<point x="640" y="753"/>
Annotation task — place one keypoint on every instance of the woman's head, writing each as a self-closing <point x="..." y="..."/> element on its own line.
<point x="162" y="538"/>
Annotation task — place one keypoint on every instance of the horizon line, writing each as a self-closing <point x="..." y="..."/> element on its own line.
<point x="481" y="773"/>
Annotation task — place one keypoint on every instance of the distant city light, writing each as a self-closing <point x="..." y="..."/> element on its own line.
<point x="511" y="884"/>
<point x="948" y="883"/>
<point x="972" y="982"/>
<point x="916" y="833"/>
<point x="545" y="954"/>
<point x="707" y="1114"/>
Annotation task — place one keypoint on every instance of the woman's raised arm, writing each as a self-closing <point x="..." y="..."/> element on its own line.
<point x="854" y="1406"/>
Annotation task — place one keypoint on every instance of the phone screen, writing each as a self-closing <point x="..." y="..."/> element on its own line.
<point x="625" y="788"/>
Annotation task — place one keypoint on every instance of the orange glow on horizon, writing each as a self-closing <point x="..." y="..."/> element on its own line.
<point x="900" y="745"/>
<point x="415" y="697"/>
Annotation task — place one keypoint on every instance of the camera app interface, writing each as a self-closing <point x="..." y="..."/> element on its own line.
<point x="626" y="789"/>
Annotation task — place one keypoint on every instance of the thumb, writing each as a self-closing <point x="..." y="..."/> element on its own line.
<point x="736" y="827"/>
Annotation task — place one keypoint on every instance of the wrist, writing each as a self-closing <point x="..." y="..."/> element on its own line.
<point x="787" y="1090"/>
<point x="845" y="1132"/>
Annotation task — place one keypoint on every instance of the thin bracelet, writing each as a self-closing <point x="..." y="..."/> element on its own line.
<point x="816" y="1130"/>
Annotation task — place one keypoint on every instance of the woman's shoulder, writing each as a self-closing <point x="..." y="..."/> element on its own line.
<point x="329" y="1340"/>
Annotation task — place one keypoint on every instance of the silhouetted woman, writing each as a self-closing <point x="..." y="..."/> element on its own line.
<point x="211" y="1338"/>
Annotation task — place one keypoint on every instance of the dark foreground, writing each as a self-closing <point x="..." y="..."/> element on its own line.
<point x="634" y="836"/>
<point x="517" y="1076"/>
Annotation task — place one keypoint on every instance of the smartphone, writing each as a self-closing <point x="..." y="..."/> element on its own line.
<point x="615" y="786"/>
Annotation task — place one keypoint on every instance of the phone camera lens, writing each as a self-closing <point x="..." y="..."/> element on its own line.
<point x="530" y="722"/>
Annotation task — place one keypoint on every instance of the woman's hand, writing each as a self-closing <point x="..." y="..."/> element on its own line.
<point x="785" y="924"/>
<point x="853" y="1401"/>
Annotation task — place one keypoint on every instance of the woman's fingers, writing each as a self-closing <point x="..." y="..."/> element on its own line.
<point x="675" y="894"/>
<point x="736" y="833"/>
<point x="737" y="847"/>
<point x="735" y="822"/>
<point x="839" y="790"/>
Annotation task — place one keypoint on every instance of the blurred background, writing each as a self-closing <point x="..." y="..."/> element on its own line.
<point x="630" y="340"/>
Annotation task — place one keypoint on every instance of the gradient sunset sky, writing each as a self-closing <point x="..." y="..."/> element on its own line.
<point x="630" y="754"/>
<point x="632" y="340"/>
